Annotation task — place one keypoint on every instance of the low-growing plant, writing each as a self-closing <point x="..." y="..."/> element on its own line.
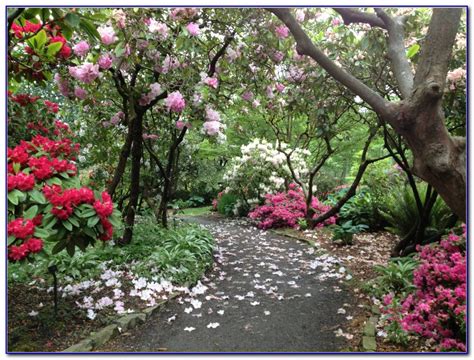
<point x="227" y="203"/>
<point x="401" y="212"/>
<point x="396" y="277"/>
<point x="345" y="231"/>
<point x="436" y="309"/>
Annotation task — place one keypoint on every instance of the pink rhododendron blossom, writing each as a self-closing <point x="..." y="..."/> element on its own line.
<point x="117" y="118"/>
<point x="180" y="124"/>
<point x="193" y="29"/>
<point x="175" y="102"/>
<point x="299" y="15"/>
<point x="278" y="56"/>
<point x="183" y="13"/>
<point x="212" y="115"/>
<point x="63" y="85"/>
<point x="279" y="87"/>
<point x="247" y="96"/>
<point x="211" y="128"/>
<point x="212" y="82"/>
<point x="105" y="61"/>
<point x="282" y="31"/>
<point x="81" y="48"/>
<point x="120" y="18"/>
<point x="158" y="27"/>
<point x="155" y="90"/>
<point x="336" y="22"/>
<point x="80" y="93"/>
<point x="169" y="64"/>
<point x="107" y="35"/>
<point x="269" y="92"/>
<point x="86" y="72"/>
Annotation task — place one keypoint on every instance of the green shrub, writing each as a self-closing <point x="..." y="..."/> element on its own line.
<point x="401" y="212"/>
<point x="181" y="255"/>
<point x="396" y="277"/>
<point x="345" y="231"/>
<point x="361" y="209"/>
<point x="226" y="204"/>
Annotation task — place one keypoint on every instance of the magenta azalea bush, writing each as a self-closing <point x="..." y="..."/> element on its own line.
<point x="284" y="209"/>
<point x="437" y="308"/>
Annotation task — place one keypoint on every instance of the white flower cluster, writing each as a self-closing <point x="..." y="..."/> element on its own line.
<point x="263" y="168"/>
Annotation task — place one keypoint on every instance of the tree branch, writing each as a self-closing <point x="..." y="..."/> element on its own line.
<point x="351" y="16"/>
<point x="396" y="51"/>
<point x="305" y="46"/>
<point x="437" y="49"/>
<point x="219" y="54"/>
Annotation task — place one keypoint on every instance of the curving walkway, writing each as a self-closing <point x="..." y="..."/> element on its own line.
<point x="266" y="293"/>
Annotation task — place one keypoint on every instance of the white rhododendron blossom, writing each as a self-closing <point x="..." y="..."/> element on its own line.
<point x="263" y="168"/>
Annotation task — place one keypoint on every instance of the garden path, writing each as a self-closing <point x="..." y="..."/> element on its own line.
<point x="265" y="293"/>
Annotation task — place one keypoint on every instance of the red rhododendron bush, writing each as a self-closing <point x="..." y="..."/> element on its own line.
<point x="46" y="201"/>
<point x="437" y="308"/>
<point x="285" y="209"/>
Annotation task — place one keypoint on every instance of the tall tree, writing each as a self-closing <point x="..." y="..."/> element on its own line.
<point x="439" y="158"/>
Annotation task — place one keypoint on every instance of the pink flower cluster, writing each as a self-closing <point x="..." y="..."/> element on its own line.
<point x="437" y="308"/>
<point x="105" y="61"/>
<point x="282" y="32"/>
<point x="183" y="13"/>
<point x="211" y="82"/>
<point x="193" y="29"/>
<point x="86" y="72"/>
<point x="146" y="99"/>
<point x="107" y="35"/>
<point x="175" y="102"/>
<point x="81" y="48"/>
<point x="212" y="125"/>
<point x="158" y="27"/>
<point x="286" y="208"/>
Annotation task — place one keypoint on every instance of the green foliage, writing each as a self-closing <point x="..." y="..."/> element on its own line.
<point x="303" y="224"/>
<point x="227" y="203"/>
<point x="180" y="255"/>
<point x="401" y="212"/>
<point x="346" y="231"/>
<point x="395" y="278"/>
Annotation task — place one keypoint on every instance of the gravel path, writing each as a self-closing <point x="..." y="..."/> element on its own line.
<point x="266" y="293"/>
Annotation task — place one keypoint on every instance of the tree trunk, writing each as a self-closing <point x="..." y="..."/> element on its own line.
<point x="137" y="151"/>
<point x="124" y="154"/>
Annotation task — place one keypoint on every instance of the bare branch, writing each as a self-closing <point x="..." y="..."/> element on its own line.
<point x="351" y="16"/>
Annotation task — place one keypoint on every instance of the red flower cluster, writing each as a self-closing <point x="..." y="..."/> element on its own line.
<point x="32" y="245"/>
<point x="21" y="181"/>
<point x="23" y="99"/>
<point x="28" y="28"/>
<point x="42" y="167"/>
<point x="55" y="148"/>
<point x="64" y="201"/>
<point x="21" y="228"/>
<point x="51" y="106"/>
<point x="104" y="210"/>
